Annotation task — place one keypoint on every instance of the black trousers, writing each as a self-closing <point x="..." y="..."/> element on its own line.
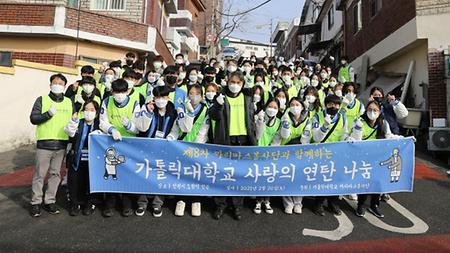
<point x="332" y="200"/>
<point x="110" y="200"/>
<point x="238" y="202"/>
<point x="374" y="199"/>
<point x="78" y="183"/>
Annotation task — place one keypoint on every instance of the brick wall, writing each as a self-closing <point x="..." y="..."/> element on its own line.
<point x="431" y="7"/>
<point x="437" y="84"/>
<point x="36" y="15"/>
<point x="46" y="58"/>
<point x="105" y="25"/>
<point x="392" y="16"/>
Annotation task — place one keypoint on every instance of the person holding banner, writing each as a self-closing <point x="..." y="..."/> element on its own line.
<point x="192" y="125"/>
<point x="295" y="129"/>
<point x="77" y="159"/>
<point x="233" y="112"/>
<point x="156" y="121"/>
<point x="118" y="117"/>
<point x="328" y="126"/>
<point x="370" y="126"/>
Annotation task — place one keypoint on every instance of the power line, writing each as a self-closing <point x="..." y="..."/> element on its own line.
<point x="244" y="12"/>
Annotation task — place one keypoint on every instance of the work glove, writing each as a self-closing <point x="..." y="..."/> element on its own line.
<point x="220" y="99"/>
<point x="52" y="110"/>
<point x="116" y="135"/>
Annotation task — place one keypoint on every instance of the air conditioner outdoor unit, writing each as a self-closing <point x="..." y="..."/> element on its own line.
<point x="439" y="139"/>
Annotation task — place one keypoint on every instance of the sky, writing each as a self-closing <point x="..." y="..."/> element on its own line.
<point x="278" y="10"/>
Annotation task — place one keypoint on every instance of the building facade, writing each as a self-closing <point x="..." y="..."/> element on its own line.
<point x="247" y="48"/>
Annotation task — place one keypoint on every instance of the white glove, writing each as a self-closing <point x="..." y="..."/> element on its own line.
<point x="189" y="106"/>
<point x="73" y="123"/>
<point x="125" y="121"/>
<point x="79" y="98"/>
<point x="306" y="103"/>
<point x="116" y="135"/>
<point x="345" y="102"/>
<point x="108" y="86"/>
<point x="261" y="115"/>
<point x="350" y="139"/>
<point x="327" y="121"/>
<point x="220" y="99"/>
<point x="52" y="110"/>
<point x="170" y="137"/>
<point x="350" y="97"/>
<point x="200" y="76"/>
<point x="223" y="83"/>
<point x="358" y="123"/>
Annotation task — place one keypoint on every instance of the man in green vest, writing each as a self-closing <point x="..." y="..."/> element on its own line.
<point x="346" y="72"/>
<point x="329" y="126"/>
<point x="50" y="114"/>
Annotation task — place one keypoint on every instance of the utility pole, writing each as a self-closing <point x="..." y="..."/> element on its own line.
<point x="270" y="38"/>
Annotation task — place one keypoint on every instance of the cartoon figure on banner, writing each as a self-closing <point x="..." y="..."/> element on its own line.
<point x="394" y="163"/>
<point x="111" y="162"/>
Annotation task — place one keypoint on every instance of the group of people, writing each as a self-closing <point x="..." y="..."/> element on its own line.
<point x="251" y="102"/>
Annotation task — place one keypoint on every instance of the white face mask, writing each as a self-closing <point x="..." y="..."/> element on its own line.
<point x="266" y="62"/>
<point x="372" y="115"/>
<point x="151" y="79"/>
<point x="311" y="99"/>
<point x="109" y="78"/>
<point x="232" y="69"/>
<point x="217" y="70"/>
<point x="89" y="115"/>
<point x="88" y="89"/>
<point x="338" y="93"/>
<point x="296" y="110"/>
<point x="161" y="103"/>
<point x="234" y="88"/>
<point x="179" y="61"/>
<point x="323" y="75"/>
<point x="193" y="78"/>
<point x="195" y="99"/>
<point x="343" y="62"/>
<point x="120" y="97"/>
<point x="271" y="112"/>
<point x="56" y="89"/>
<point x="247" y="70"/>
<point x="157" y="64"/>
<point x="256" y="98"/>
<point x="282" y="103"/>
<point x="332" y="84"/>
<point x="182" y="75"/>
<point x="160" y="82"/>
<point x="314" y="83"/>
<point x="130" y="84"/>
<point x="275" y="73"/>
<point x="287" y="79"/>
<point x="210" y="95"/>
<point x="260" y="84"/>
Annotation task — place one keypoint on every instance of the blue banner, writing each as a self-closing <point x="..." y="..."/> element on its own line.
<point x="157" y="166"/>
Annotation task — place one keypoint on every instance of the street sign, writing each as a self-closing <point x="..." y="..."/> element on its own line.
<point x="209" y="37"/>
<point x="224" y="42"/>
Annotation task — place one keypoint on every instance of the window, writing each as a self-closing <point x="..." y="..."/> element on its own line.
<point x="375" y="7"/>
<point x="73" y="3"/>
<point x="108" y="5"/>
<point x="331" y="17"/>
<point x="5" y="59"/>
<point x="357" y="17"/>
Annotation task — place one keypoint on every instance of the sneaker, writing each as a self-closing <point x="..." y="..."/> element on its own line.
<point x="374" y="210"/>
<point x="257" y="209"/>
<point x="35" y="210"/>
<point x="157" y="212"/>
<point x="448" y="172"/>
<point x="385" y="197"/>
<point x="319" y="210"/>
<point x="140" y="211"/>
<point x="51" y="208"/>
<point x="335" y="209"/>
<point x="289" y="209"/>
<point x="107" y="213"/>
<point x="196" y="209"/>
<point x="268" y="208"/>
<point x="179" y="209"/>
<point x="237" y="215"/>
<point x="88" y="209"/>
<point x="127" y="212"/>
<point x="74" y="210"/>
<point x="218" y="213"/>
<point x="360" y="211"/>
<point x="353" y="197"/>
<point x="298" y="209"/>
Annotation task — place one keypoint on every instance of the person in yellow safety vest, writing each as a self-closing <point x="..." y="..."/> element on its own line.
<point x="258" y="98"/>
<point x="141" y="84"/>
<point x="247" y="70"/>
<point x="311" y="101"/>
<point x="262" y="82"/>
<point x="267" y="125"/>
<point x="273" y="77"/>
<point x="337" y="90"/>
<point x="352" y="107"/>
<point x="210" y="76"/>
<point x="316" y="83"/>
<point x="50" y="114"/>
<point x="192" y="125"/>
<point x="295" y="129"/>
<point x="88" y="85"/>
<point x="105" y="86"/>
<point x="287" y="81"/>
<point x="131" y="78"/>
<point x="332" y="83"/>
<point x="282" y="97"/>
<point x="370" y="126"/>
<point x="117" y="66"/>
<point x="211" y="91"/>
<point x="157" y="65"/>
<point x="329" y="126"/>
<point x="74" y="88"/>
<point x="235" y="126"/>
<point x="118" y="117"/>
<point x="325" y="80"/>
<point x="346" y="72"/>
<point x="157" y="120"/>
<point x="192" y="78"/>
